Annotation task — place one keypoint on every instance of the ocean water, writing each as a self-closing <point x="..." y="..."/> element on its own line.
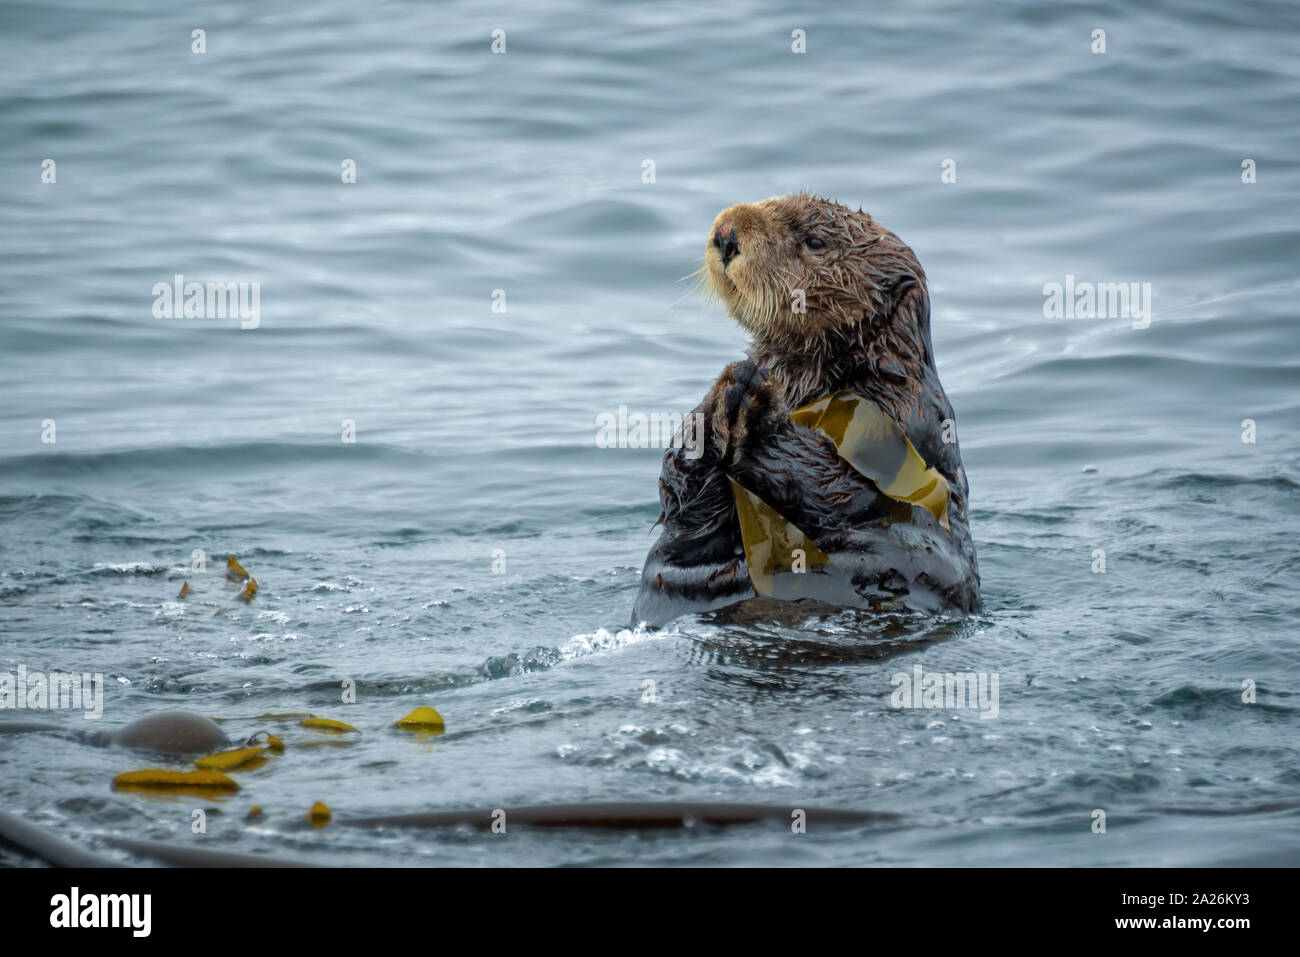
<point x="518" y="178"/>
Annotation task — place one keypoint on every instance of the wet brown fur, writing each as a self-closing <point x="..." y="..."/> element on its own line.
<point x="862" y="292"/>
<point x="865" y="329"/>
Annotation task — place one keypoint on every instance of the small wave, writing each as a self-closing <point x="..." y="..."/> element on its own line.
<point x="202" y="458"/>
<point x="1266" y="807"/>
<point x="600" y="640"/>
<point x="131" y="568"/>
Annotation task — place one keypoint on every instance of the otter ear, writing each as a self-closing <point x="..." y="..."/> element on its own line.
<point x="913" y="314"/>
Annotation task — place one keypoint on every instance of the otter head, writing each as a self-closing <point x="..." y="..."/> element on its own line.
<point x="804" y="274"/>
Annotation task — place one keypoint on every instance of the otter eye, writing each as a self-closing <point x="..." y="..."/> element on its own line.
<point x="814" y="242"/>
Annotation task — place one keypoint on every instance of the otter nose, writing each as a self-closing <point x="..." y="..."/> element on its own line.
<point x="725" y="240"/>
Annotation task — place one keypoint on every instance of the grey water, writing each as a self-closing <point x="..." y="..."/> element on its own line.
<point x="400" y="442"/>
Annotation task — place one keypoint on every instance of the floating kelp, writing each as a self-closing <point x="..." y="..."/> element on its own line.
<point x="306" y="720"/>
<point x="783" y="562"/>
<point x="44" y="846"/>
<point x="235" y="572"/>
<point x="225" y="760"/>
<point x="190" y="856"/>
<point x="273" y="744"/>
<point x="158" y="779"/>
<point x="627" y="816"/>
<point x="423" y="718"/>
<point x="326" y="724"/>
<point x="179" y="733"/>
<point x="167" y="732"/>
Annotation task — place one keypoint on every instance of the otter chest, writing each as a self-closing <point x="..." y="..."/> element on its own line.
<point x="877" y="447"/>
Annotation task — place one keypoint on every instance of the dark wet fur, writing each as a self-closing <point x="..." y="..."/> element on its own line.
<point x="895" y="555"/>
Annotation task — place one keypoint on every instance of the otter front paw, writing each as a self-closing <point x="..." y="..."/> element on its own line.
<point x="743" y="403"/>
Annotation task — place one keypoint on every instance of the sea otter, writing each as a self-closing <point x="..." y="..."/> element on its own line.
<point x="830" y="468"/>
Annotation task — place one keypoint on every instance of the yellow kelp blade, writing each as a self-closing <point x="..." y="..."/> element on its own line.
<point x="319" y="815"/>
<point x="234" y="569"/>
<point x="772" y="544"/>
<point x="327" y="724"/>
<point x="250" y="590"/>
<point x="423" y="718"/>
<point x="876" y="446"/>
<point x="156" y="779"/>
<point x="273" y="744"/>
<point x="185" y="590"/>
<point x="225" y="760"/>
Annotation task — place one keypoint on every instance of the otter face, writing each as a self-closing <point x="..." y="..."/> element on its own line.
<point x="792" y="268"/>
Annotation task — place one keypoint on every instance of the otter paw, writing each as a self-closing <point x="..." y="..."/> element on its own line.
<point x="740" y="405"/>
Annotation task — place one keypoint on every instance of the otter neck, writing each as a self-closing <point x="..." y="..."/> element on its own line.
<point x="805" y="376"/>
<point x="850" y="358"/>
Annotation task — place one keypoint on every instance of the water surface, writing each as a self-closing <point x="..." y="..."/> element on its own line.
<point x="475" y="428"/>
